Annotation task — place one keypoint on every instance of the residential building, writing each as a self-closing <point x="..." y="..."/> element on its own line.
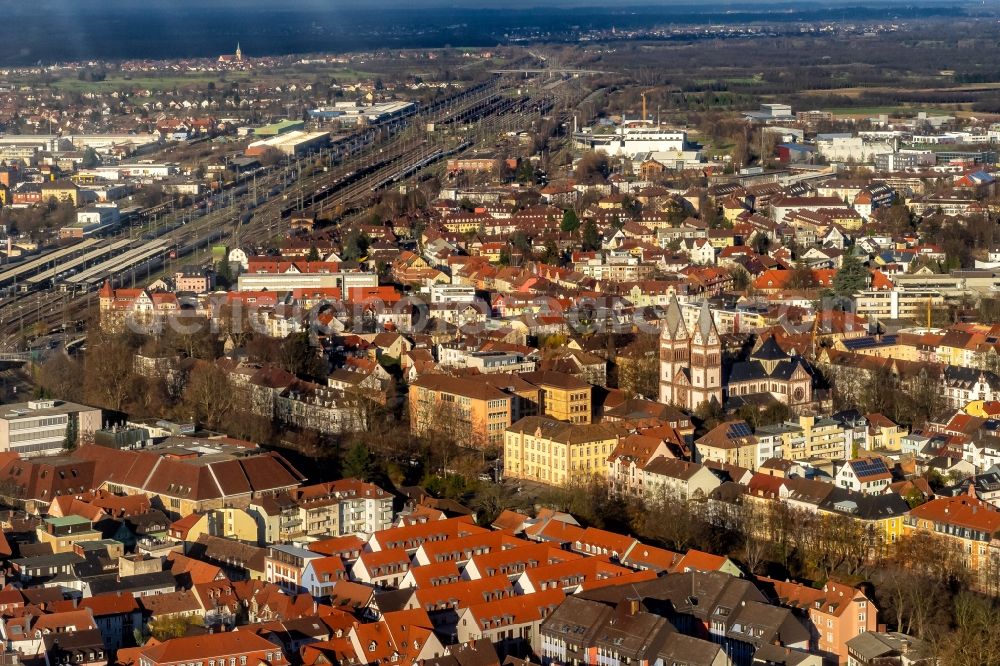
<point x="511" y="624"/>
<point x="808" y="437"/>
<point x="731" y="443"/>
<point x="62" y="533"/>
<point x="227" y="522"/>
<point x="565" y="397"/>
<point x="866" y="475"/>
<point x="470" y="410"/>
<point x="728" y="613"/>
<point x="966" y="521"/>
<point x="284" y="566"/>
<point x="836" y="613"/>
<point x="628" y="460"/>
<point x="678" y="479"/>
<point x="881" y="648"/>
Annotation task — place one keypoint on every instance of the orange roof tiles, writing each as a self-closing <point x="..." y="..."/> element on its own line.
<point x="512" y="561"/>
<point x="700" y="561"/>
<point x="961" y="511"/>
<point x="205" y="646"/>
<point x="573" y="573"/>
<point x="112" y="603"/>
<point x="521" y="609"/>
<point x="655" y="559"/>
<point x="463" y="548"/>
<point x="439" y="573"/>
<point x="411" y="537"/>
<point x="510" y="521"/>
<point x="379" y="562"/>
<point x="350" y="546"/>
<point x="463" y="593"/>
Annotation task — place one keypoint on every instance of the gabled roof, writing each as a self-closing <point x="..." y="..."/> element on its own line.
<point x="411" y="537"/>
<point x="464" y="593"/>
<point x="696" y="560"/>
<point x="522" y="609"/>
<point x="205" y="646"/>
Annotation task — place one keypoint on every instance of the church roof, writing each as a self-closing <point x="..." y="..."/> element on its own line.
<point x="746" y="371"/>
<point x="673" y="316"/>
<point x="769" y="351"/>
<point x="705" y="322"/>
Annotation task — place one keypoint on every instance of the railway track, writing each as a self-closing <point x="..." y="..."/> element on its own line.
<point x="256" y="210"/>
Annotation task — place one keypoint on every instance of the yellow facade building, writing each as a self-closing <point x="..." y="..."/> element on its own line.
<point x="543" y="449"/>
<point x="61" y="190"/>
<point x="469" y="410"/>
<point x="565" y="397"/>
<point x="732" y="443"/>
<point x="63" y="532"/>
<point x="966" y="522"/>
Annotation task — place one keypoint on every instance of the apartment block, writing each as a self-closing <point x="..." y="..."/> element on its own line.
<point x="40" y="427"/>
<point x="470" y="410"/>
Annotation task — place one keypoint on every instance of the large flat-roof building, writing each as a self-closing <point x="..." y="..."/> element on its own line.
<point x="342" y="280"/>
<point x="280" y="127"/>
<point x="630" y="141"/>
<point x="45" y="427"/>
<point x="293" y="143"/>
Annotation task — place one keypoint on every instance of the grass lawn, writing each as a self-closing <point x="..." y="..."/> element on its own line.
<point x="169" y="81"/>
<point x="738" y="80"/>
<point x="875" y="110"/>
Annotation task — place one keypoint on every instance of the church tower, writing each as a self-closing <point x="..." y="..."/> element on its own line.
<point x="239" y="53"/>
<point x="674" y="356"/>
<point x="706" y="360"/>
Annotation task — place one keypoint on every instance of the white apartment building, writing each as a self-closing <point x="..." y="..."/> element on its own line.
<point x="897" y="303"/>
<point x="39" y="427"/>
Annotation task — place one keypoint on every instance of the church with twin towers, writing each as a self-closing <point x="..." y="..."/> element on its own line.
<point x="692" y="370"/>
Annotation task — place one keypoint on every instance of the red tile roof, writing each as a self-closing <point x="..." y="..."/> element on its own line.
<point x="206" y="646"/>
<point x="961" y="511"/>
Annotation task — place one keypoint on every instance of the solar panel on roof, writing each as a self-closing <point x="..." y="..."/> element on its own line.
<point x="739" y="430"/>
<point x="869" y="467"/>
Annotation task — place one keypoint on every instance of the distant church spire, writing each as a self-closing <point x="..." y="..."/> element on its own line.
<point x="239" y="53"/>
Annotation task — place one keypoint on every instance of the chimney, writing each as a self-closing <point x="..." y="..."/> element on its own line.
<point x="633" y="606"/>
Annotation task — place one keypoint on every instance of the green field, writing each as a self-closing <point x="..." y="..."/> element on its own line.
<point x="738" y="80"/>
<point x="181" y="80"/>
<point x="117" y="82"/>
<point x="891" y="110"/>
